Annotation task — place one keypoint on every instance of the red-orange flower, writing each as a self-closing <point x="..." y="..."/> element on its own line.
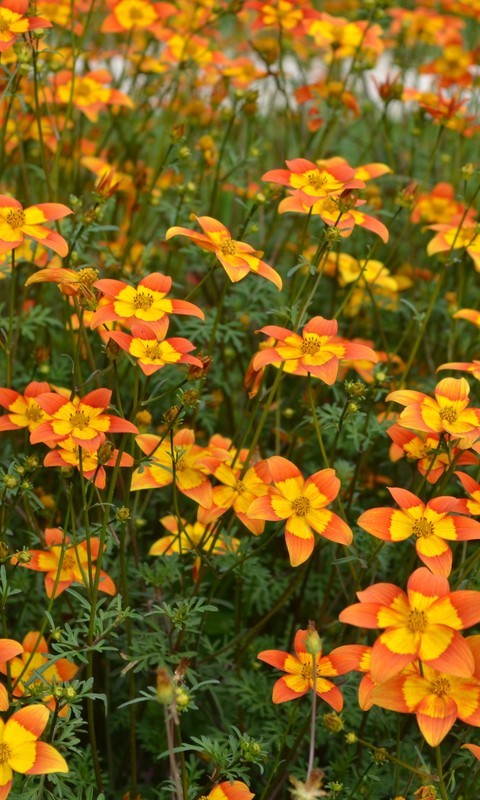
<point x="431" y="524"/>
<point x="432" y="459"/>
<point x="146" y="302"/>
<point x="91" y="464"/>
<point x="300" y="671"/>
<point x="302" y="503"/>
<point x="82" y="418"/>
<point x="447" y="412"/>
<point x="17" y="222"/>
<point x="422" y="623"/>
<point x="153" y="351"/>
<point x="237" y="258"/>
<point x="14" y="22"/>
<point x="23" y="409"/>
<point x="128" y="15"/>
<point x="318" y="350"/>
<point x="238" y="492"/>
<point x="313" y="182"/>
<point x="88" y="92"/>
<point x="236" y="790"/>
<point x="65" y="563"/>
<point x="21" y="752"/>
<point x="436" y="698"/>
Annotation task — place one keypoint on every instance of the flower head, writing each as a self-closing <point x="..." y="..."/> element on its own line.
<point x="17" y="222"/>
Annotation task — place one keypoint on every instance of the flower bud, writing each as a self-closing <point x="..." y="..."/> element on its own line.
<point x="313" y="643"/>
<point x="164" y="690"/>
<point x="333" y="722"/>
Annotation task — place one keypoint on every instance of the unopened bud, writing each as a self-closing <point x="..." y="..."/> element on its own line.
<point x="164" y="689"/>
<point x="122" y="514"/>
<point x="333" y="722"/>
<point x="105" y="452"/>
<point x="313" y="643"/>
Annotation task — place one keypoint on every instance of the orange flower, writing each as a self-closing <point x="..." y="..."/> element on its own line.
<point x="318" y="350"/>
<point x="299" y="668"/>
<point x="153" y="351"/>
<point x="191" y="463"/>
<point x="9" y="649"/>
<point x="313" y="182"/>
<point x="34" y="662"/>
<point x="21" y="752"/>
<point x="438" y="206"/>
<point x="72" y="568"/>
<point x="90" y="463"/>
<point x="238" y="493"/>
<point x="24" y="411"/>
<point x="432" y="460"/>
<point x="340" y="212"/>
<point x="436" y="698"/>
<point x="147" y="302"/>
<point x="302" y="503"/>
<point x="422" y="623"/>
<point x="237" y="258"/>
<point x="456" y="236"/>
<point x="14" y="22"/>
<point x="473" y="367"/>
<point x="470" y="314"/>
<point x="235" y="790"/>
<point x="82" y="419"/>
<point x="17" y="222"/>
<point x="70" y="282"/>
<point x="431" y="524"/>
<point x="446" y="413"/>
<point x="128" y="15"/>
<point x="471" y="486"/>
<point x="88" y="92"/>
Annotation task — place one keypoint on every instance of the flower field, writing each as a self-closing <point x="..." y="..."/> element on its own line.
<point x="240" y="403"/>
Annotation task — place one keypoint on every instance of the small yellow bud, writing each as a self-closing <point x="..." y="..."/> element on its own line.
<point x="164" y="686"/>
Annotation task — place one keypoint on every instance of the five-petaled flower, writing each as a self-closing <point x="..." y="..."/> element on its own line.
<point x="237" y="258"/>
<point x="316" y="351"/>
<point x="447" y="412"/>
<point x="82" y="419"/>
<point x="14" y="22"/>
<point x="23" y="409"/>
<point x="302" y="503"/>
<point x="422" y="623"/>
<point x="312" y="182"/>
<point x="17" y="222"/>
<point x="153" y="351"/>
<point x="21" y="752"/>
<point x="236" y="790"/>
<point x="65" y="563"/>
<point x="146" y="302"/>
<point x="300" y="670"/>
<point x="431" y="524"/>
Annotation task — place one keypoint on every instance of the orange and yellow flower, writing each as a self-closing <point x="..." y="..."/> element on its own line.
<point x="14" y="22"/>
<point x="91" y="464"/>
<point x="457" y="236"/>
<point x="431" y="524"/>
<point x="426" y="449"/>
<point x="237" y="258"/>
<point x="303" y="504"/>
<point x="422" y="623"/>
<point x="17" y="222"/>
<point x="128" y="15"/>
<point x="147" y="302"/>
<point x="66" y="563"/>
<point x="447" y="412"/>
<point x="23" y="409"/>
<point x="300" y="671"/>
<point x="88" y="92"/>
<point x="152" y="351"/>
<point x="238" y="492"/>
<point x="235" y="790"/>
<point x="317" y="351"/>
<point x="21" y="752"/>
<point x="315" y="181"/>
<point x="82" y="419"/>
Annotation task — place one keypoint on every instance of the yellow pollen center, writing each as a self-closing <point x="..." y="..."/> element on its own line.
<point x="83" y="91"/>
<point x="440" y="686"/>
<point x="228" y="247"/>
<point x="417" y="620"/>
<point x="180" y="465"/>
<point x="422" y="528"/>
<point x="301" y="506"/>
<point x="34" y="413"/>
<point x="449" y="414"/>
<point x="79" y="420"/>
<point x="69" y="561"/>
<point x="4" y="24"/>
<point x="316" y="180"/>
<point x="5" y="753"/>
<point x="311" y="344"/>
<point x="136" y="13"/>
<point x="240" y="487"/>
<point x="88" y="276"/>
<point x="153" y="350"/>
<point x="15" y="218"/>
<point x="143" y="301"/>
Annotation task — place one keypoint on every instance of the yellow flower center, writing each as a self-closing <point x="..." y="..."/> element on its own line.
<point x="417" y="620"/>
<point x="153" y="350"/>
<point x="240" y="487"/>
<point x="69" y="561"/>
<point x="316" y="179"/>
<point x="449" y="414"/>
<point x="180" y="465"/>
<point x="34" y="413"/>
<point x="4" y="24"/>
<point x="143" y="301"/>
<point x="440" y="686"/>
<point x="228" y="247"/>
<point x="5" y="753"/>
<point x="422" y="528"/>
<point x="88" y="276"/>
<point x="301" y="506"/>
<point x="135" y="13"/>
<point x="311" y="344"/>
<point x="79" y="420"/>
<point x="15" y="218"/>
